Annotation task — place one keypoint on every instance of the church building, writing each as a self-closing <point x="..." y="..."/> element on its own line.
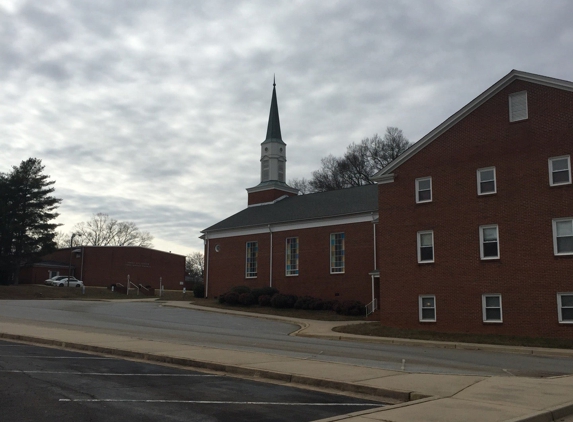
<point x="321" y="244"/>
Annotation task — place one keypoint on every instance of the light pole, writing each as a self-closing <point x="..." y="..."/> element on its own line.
<point x="71" y="253"/>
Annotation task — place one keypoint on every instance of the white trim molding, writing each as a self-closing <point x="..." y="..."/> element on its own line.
<point x="296" y="225"/>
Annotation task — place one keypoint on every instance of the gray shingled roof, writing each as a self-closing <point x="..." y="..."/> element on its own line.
<point x="335" y="203"/>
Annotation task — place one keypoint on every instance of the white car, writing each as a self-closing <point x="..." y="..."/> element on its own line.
<point x="50" y="281"/>
<point x="63" y="282"/>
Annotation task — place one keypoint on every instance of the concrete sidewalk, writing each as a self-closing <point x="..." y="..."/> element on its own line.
<point x="415" y="397"/>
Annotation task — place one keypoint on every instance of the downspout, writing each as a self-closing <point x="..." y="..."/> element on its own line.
<point x="207" y="268"/>
<point x="271" y="258"/>
<point x="82" y="272"/>
<point x="374" y="236"/>
<point x="375" y="263"/>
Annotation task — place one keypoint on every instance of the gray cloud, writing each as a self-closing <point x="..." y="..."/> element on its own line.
<point x="154" y="111"/>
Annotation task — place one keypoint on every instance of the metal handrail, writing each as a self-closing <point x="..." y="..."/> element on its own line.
<point x="134" y="285"/>
<point x="371" y="307"/>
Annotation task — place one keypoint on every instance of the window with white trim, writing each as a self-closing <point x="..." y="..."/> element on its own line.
<point x="291" y="256"/>
<point x="486" y="183"/>
<point x="560" y="170"/>
<point x="427" y="308"/>
<point x="337" y="253"/>
<point x="518" y="106"/>
<point x="251" y="259"/>
<point x="565" y="307"/>
<point x="423" y="190"/>
<point x="489" y="242"/>
<point x="491" y="306"/>
<point x="425" y="247"/>
<point x="563" y="236"/>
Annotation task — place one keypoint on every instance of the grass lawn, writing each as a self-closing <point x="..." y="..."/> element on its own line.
<point x="38" y="291"/>
<point x="377" y="329"/>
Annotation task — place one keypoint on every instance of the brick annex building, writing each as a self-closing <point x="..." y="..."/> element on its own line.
<point x="470" y="230"/>
<point x="106" y="265"/>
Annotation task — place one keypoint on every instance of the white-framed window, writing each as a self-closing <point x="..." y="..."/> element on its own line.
<point x="560" y="170"/>
<point x="486" y="183"/>
<point x="427" y="304"/>
<point x="518" y="106"/>
<point x="565" y="307"/>
<point x="563" y="236"/>
<point x="491" y="307"/>
<point x="53" y="273"/>
<point x="291" y="256"/>
<point x="425" y="247"/>
<point x="251" y="259"/>
<point x="423" y="190"/>
<point x="337" y="257"/>
<point x="489" y="242"/>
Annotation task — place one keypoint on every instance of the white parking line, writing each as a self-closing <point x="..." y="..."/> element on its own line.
<point x="15" y="371"/>
<point x="252" y="403"/>
<point x="55" y="357"/>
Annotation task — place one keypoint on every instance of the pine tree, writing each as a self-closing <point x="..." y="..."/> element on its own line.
<point x="27" y="210"/>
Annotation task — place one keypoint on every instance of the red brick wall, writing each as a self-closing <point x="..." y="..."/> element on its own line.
<point x="267" y="196"/>
<point x="227" y="267"/>
<point x="103" y="266"/>
<point x="527" y="275"/>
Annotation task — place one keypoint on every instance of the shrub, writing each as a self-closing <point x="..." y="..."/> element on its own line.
<point x="231" y="298"/>
<point x="316" y="305"/>
<point x="264" y="300"/>
<point x="222" y="298"/>
<point x="351" y="307"/>
<point x="199" y="290"/>
<point x="283" y="301"/>
<point x="329" y="305"/>
<point x="303" y="302"/>
<point x="264" y="291"/>
<point x="247" y="299"/>
<point x="240" y="289"/>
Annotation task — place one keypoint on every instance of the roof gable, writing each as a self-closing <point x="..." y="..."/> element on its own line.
<point x="385" y="174"/>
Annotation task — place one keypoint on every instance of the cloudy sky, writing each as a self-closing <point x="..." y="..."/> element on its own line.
<point x="153" y="111"/>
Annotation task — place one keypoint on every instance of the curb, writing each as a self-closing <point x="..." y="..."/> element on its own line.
<point x="392" y="396"/>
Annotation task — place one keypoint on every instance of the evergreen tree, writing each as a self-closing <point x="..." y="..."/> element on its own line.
<point x="27" y="210"/>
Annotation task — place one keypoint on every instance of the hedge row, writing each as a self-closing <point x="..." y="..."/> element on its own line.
<point x="269" y="296"/>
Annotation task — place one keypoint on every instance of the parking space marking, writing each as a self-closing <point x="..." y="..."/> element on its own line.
<point x="16" y="371"/>
<point x="252" y="403"/>
<point x="55" y="357"/>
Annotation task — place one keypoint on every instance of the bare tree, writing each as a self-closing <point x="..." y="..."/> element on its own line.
<point x="102" y="230"/>
<point x="360" y="162"/>
<point x="194" y="265"/>
<point x="303" y="185"/>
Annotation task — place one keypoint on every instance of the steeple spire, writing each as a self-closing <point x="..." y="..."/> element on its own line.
<point x="273" y="162"/>
<point x="274" y="126"/>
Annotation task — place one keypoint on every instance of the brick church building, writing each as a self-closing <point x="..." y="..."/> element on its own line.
<point x="322" y="244"/>
<point x="476" y="218"/>
<point x="470" y="230"/>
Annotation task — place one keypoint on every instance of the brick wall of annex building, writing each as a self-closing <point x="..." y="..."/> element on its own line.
<point x="528" y="275"/>
<point x="227" y="267"/>
<point x="106" y="265"/>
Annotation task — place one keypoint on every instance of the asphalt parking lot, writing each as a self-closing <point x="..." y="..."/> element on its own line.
<point x="39" y="383"/>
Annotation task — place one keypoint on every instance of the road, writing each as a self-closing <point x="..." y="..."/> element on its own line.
<point x="150" y="320"/>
